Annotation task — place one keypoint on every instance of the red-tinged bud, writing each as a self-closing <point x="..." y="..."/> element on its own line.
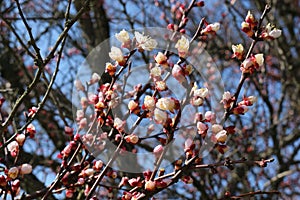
<point x="178" y="73"/>
<point x="2" y="100"/>
<point x="248" y="101"/>
<point x="81" y="181"/>
<point x="240" y="110"/>
<point x="15" y="186"/>
<point x="87" y="190"/>
<point x="250" y="19"/>
<point x="124" y="181"/>
<point x="69" y="131"/>
<point x="158" y="150"/>
<point x="32" y="110"/>
<point x="227" y="194"/>
<point x="94" y="79"/>
<point x="185" y="20"/>
<point x="189" y="145"/>
<point x="161" y="172"/>
<point x="76" y="137"/>
<point x="182" y="31"/>
<point x="187" y="179"/>
<point x="30" y="130"/>
<point x="98" y="165"/>
<point x="163" y="183"/>
<point x="126" y="196"/>
<point x="73" y="145"/>
<point x="59" y="156"/>
<point x="222" y="148"/>
<point x="177" y="164"/>
<point x="200" y="4"/>
<point x="198" y="117"/>
<point x="69" y="193"/>
<point x="135" y="182"/>
<point x="170" y="26"/>
<point x="76" y="167"/>
<point x="147" y="174"/>
<point x="3" y="181"/>
<point x="230" y="129"/>
<point x="113" y="175"/>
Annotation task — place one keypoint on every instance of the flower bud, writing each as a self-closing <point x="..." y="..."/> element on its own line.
<point x="161" y="58"/>
<point x="216" y="128"/>
<point x="25" y="169"/>
<point x="211" y="28"/>
<point x="132" y="138"/>
<point x="150" y="185"/>
<point x="13" y="172"/>
<point x="178" y="73"/>
<point x="221" y="136"/>
<point x="98" y="165"/>
<point x="79" y="86"/>
<point x="110" y="69"/>
<point x="95" y="78"/>
<point x="158" y="150"/>
<point x="20" y="138"/>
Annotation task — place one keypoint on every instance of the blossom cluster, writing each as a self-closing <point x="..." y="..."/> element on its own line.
<point x="249" y="26"/>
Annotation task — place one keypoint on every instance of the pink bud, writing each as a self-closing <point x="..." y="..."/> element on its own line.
<point x="170" y="26"/>
<point x="178" y="74"/>
<point x="202" y="128"/>
<point x="82" y="123"/>
<point x="20" y="139"/>
<point x="158" y="150"/>
<point x="32" y="111"/>
<point x="30" y="130"/>
<point x="98" y="165"/>
<point x="135" y="182"/>
<point x="210" y="116"/>
<point x="69" y="131"/>
<point x="25" y="169"/>
<point x="88" y="172"/>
